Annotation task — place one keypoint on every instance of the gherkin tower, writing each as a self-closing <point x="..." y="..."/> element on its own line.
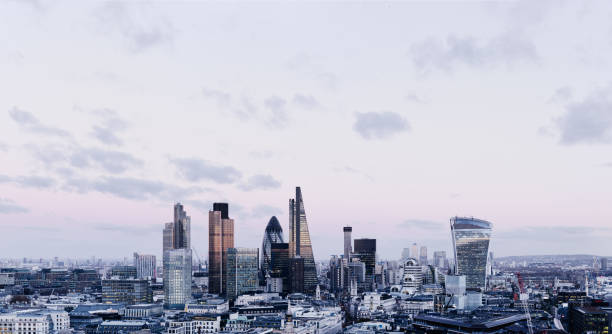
<point x="272" y="235"/>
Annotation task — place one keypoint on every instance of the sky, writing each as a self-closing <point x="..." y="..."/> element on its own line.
<point x="391" y="116"/>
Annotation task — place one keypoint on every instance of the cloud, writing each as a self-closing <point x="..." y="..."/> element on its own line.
<point x="260" y="182"/>
<point x="29" y="122"/>
<point x="3" y="147"/>
<point x="125" y="228"/>
<point x="413" y="97"/>
<point x="135" y="25"/>
<point x="223" y="99"/>
<point x="351" y="170"/>
<point x="196" y="170"/>
<point x="110" y="161"/>
<point x="264" y="211"/>
<point x="306" y="101"/>
<point x="570" y="234"/>
<point x="562" y="94"/>
<point x="29" y="181"/>
<point x="380" y="125"/>
<point x="132" y="188"/>
<point x="7" y="206"/>
<point x="421" y="224"/>
<point x="435" y="54"/>
<point x="588" y="121"/>
<point x="277" y="107"/>
<point x="111" y="124"/>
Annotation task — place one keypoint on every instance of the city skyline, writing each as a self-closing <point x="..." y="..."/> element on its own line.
<point x="113" y="112"/>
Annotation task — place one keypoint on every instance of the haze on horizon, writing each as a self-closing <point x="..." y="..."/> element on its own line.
<point x="392" y="117"/>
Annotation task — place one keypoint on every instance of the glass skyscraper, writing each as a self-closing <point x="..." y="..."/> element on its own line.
<point x="272" y="235"/>
<point x="365" y="251"/>
<point x="299" y="241"/>
<point x="220" y="238"/>
<point x="242" y="270"/>
<point x="471" y="248"/>
<point x="177" y="277"/>
<point x="177" y="259"/>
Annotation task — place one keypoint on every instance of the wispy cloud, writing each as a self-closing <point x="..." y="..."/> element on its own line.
<point x="588" y="121"/>
<point x="421" y="224"/>
<point x="194" y="170"/>
<point x="260" y="182"/>
<point x="135" y="24"/>
<point x="111" y="124"/>
<point x="447" y="54"/>
<point x="29" y="181"/>
<point x="379" y="125"/>
<point x="8" y="206"/>
<point x="28" y="122"/>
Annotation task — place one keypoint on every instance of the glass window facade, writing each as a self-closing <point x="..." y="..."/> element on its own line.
<point x="471" y="248"/>
<point x="242" y="271"/>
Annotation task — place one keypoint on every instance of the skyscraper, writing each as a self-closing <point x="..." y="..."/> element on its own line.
<point x="177" y="234"/>
<point x="405" y="254"/>
<point x="440" y="259"/>
<point x="299" y="241"/>
<point x="220" y="238"/>
<point x="423" y="256"/>
<point x="145" y="266"/>
<point x="365" y="251"/>
<point x="471" y="248"/>
<point x="272" y="235"/>
<point x="177" y="277"/>
<point x="177" y="259"/>
<point x="242" y="271"/>
<point x="279" y="264"/>
<point x="347" y="242"/>
<point x="414" y="251"/>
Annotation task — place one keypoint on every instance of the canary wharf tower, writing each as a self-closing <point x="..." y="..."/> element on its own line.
<point x="299" y="240"/>
<point x="471" y="247"/>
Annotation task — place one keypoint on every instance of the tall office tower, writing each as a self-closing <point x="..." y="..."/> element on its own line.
<point x="299" y="241"/>
<point x="423" y="256"/>
<point x="177" y="259"/>
<point x="365" y="251"/>
<point x="440" y="259"/>
<point x="242" y="271"/>
<point x="220" y="238"/>
<point x="336" y="266"/>
<point x="471" y="248"/>
<point x="145" y="266"/>
<point x="168" y="236"/>
<point x="356" y="272"/>
<point x="177" y="277"/>
<point x="177" y="234"/>
<point x="297" y="274"/>
<point x="604" y="263"/>
<point x="405" y="254"/>
<point x="347" y="242"/>
<point x="414" y="251"/>
<point x="272" y="235"/>
<point x="182" y="227"/>
<point x="279" y="264"/>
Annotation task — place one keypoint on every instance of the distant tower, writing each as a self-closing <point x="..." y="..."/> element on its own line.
<point x="365" y="251"/>
<point x="414" y="251"/>
<point x="318" y="293"/>
<point x="272" y="235"/>
<point x="177" y="259"/>
<point x="471" y="247"/>
<point x="347" y="242"/>
<point x="405" y="254"/>
<point x="300" y="245"/>
<point x="220" y="238"/>
<point x="423" y="256"/>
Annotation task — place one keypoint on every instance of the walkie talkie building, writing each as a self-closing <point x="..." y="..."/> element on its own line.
<point x="471" y="247"/>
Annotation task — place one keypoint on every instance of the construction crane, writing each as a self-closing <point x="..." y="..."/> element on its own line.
<point x="199" y="260"/>
<point x="523" y="303"/>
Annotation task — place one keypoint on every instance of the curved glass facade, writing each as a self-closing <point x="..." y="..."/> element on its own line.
<point x="272" y="235"/>
<point x="471" y="248"/>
